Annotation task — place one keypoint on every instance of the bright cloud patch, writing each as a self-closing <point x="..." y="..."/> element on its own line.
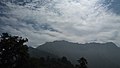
<point x="72" y="20"/>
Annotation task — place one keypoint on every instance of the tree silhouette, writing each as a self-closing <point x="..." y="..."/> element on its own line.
<point x="64" y="59"/>
<point x="83" y="63"/>
<point x="13" y="51"/>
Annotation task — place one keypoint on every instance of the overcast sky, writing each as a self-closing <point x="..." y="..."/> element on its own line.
<point x="78" y="21"/>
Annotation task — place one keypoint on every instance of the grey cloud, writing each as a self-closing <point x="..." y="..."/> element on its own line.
<point x="84" y="21"/>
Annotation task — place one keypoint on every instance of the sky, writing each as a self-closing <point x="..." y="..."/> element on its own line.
<point x="79" y="21"/>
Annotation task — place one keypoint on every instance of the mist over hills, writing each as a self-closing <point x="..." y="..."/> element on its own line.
<point x="39" y="53"/>
<point x="99" y="55"/>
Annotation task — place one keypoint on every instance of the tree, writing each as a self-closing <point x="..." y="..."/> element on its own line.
<point x="83" y="63"/>
<point x="13" y="51"/>
<point x="64" y="59"/>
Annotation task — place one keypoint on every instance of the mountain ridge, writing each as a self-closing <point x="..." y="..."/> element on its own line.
<point x="103" y="55"/>
<point x="63" y="42"/>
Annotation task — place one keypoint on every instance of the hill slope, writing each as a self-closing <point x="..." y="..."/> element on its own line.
<point x="39" y="53"/>
<point x="99" y="55"/>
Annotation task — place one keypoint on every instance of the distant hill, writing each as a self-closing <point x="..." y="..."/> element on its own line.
<point x="39" y="53"/>
<point x="99" y="55"/>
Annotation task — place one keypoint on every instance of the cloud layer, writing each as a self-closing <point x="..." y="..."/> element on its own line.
<point x="72" y="20"/>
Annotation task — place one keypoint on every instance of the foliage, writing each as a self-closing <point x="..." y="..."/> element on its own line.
<point x="13" y="51"/>
<point x="82" y="63"/>
<point x="50" y="63"/>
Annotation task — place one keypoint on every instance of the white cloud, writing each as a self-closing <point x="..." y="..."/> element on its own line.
<point x="77" y="21"/>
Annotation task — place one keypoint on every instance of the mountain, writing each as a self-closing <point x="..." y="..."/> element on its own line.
<point x="39" y="53"/>
<point x="99" y="55"/>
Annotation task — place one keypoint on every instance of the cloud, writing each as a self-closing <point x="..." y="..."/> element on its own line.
<point x="72" y="20"/>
